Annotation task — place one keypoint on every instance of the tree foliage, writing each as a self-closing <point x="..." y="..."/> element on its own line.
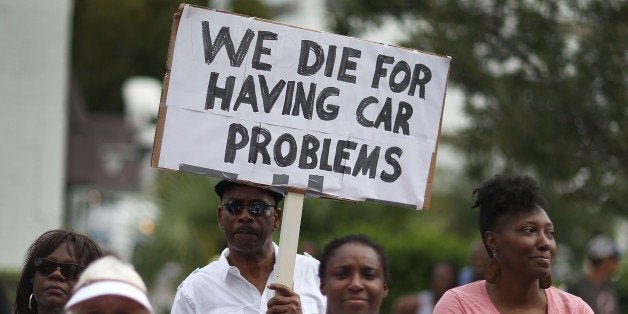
<point x="545" y="87"/>
<point x="115" y="40"/>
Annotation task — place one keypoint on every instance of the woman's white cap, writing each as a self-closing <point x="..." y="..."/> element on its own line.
<point x="110" y="276"/>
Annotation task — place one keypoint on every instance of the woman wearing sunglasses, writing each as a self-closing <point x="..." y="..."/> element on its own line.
<point x="51" y="269"/>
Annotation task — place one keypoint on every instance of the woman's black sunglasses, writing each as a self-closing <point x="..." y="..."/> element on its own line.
<point x="256" y="208"/>
<point x="68" y="270"/>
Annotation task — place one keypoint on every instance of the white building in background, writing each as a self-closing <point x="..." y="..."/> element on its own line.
<point x="35" y="50"/>
<point x="38" y="170"/>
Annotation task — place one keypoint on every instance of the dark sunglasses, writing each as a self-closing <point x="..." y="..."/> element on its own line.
<point x="68" y="270"/>
<point x="256" y="208"/>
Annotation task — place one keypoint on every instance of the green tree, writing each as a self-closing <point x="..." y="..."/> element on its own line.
<point x="546" y="92"/>
<point x="115" y="40"/>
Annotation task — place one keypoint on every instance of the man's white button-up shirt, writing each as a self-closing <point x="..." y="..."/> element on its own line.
<point x="220" y="288"/>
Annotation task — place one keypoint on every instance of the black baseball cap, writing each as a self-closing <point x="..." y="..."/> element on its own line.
<point x="224" y="185"/>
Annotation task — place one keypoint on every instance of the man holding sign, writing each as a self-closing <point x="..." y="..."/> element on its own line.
<point x="241" y="280"/>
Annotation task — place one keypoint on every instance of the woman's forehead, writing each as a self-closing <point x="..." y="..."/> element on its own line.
<point x="65" y="248"/>
<point x="514" y="217"/>
<point x="351" y="250"/>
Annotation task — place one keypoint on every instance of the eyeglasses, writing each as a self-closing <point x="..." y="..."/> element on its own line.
<point x="68" y="270"/>
<point x="256" y="208"/>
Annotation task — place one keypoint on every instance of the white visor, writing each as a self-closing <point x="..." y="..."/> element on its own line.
<point x="109" y="287"/>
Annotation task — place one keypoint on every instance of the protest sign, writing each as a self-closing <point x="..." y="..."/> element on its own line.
<point x="286" y="107"/>
<point x="300" y="111"/>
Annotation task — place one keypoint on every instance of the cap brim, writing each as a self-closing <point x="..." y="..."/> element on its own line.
<point x="101" y="288"/>
<point x="221" y="187"/>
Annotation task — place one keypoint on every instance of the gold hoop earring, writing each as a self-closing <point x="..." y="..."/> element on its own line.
<point x="493" y="271"/>
<point x="546" y="282"/>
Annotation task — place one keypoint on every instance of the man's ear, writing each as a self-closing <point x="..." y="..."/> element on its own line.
<point x="277" y="218"/>
<point x="385" y="290"/>
<point x="219" y="212"/>
<point x="322" y="287"/>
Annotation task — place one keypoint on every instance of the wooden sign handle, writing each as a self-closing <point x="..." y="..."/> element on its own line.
<point x="289" y="237"/>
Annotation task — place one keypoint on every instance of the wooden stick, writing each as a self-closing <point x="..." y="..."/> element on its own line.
<point x="289" y="237"/>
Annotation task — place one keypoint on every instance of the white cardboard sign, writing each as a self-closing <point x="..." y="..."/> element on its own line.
<point x="286" y="107"/>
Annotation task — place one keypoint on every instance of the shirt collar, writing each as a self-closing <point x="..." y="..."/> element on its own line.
<point x="224" y="263"/>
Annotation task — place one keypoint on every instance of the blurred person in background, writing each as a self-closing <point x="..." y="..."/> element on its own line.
<point x="241" y="280"/>
<point x="596" y="286"/>
<point x="442" y="279"/>
<point x="109" y="286"/>
<point x="519" y="236"/>
<point x="354" y="275"/>
<point x="51" y="269"/>
<point x="479" y="259"/>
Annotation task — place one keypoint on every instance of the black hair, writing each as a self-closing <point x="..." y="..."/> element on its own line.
<point x="85" y="248"/>
<point x="505" y="196"/>
<point x="334" y="244"/>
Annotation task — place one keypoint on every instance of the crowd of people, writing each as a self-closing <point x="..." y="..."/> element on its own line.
<point x="509" y="271"/>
